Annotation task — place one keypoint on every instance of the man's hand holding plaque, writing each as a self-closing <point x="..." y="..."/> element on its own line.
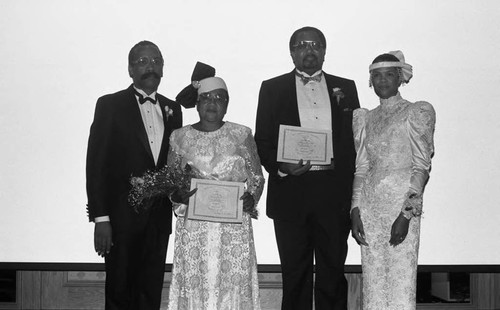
<point x="295" y="169"/>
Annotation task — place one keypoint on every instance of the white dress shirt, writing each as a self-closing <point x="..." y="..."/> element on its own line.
<point x="152" y="118"/>
<point x="313" y="102"/>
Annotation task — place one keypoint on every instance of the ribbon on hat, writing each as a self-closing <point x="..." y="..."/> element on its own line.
<point x="188" y="96"/>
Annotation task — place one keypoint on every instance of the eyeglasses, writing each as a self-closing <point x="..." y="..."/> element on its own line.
<point x="217" y="98"/>
<point x="144" y="61"/>
<point x="303" y="45"/>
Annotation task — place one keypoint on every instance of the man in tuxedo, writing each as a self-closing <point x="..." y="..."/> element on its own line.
<point x="130" y="135"/>
<point x="309" y="204"/>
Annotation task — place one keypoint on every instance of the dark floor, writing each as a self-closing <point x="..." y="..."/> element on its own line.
<point x="7" y="286"/>
<point x="459" y="288"/>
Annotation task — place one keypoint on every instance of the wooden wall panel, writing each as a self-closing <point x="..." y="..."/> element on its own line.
<point x="496" y="289"/>
<point x="78" y="290"/>
<point x="354" y="291"/>
<point x="488" y="290"/>
<point x="30" y="285"/>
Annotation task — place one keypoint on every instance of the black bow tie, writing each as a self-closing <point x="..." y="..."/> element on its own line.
<point x="307" y="79"/>
<point x="144" y="99"/>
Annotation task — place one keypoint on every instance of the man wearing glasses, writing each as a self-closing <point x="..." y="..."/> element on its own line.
<point x="130" y="135"/>
<point x="308" y="203"/>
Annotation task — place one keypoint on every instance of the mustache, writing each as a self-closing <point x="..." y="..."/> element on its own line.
<point x="150" y="74"/>
<point x="311" y="56"/>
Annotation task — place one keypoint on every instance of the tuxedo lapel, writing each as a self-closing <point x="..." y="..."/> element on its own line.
<point x="292" y="109"/>
<point x="166" y="133"/>
<point x="330" y="84"/>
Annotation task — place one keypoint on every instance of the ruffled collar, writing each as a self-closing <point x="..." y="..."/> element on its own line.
<point x="392" y="101"/>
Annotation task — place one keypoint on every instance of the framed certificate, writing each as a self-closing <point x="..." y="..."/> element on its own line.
<point x="296" y="143"/>
<point x="216" y="201"/>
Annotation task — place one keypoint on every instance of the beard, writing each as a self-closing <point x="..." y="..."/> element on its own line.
<point x="310" y="61"/>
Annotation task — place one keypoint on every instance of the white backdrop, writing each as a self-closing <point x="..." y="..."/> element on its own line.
<point x="58" y="57"/>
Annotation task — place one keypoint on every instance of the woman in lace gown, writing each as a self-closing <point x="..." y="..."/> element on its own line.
<point x="394" y="144"/>
<point x="214" y="264"/>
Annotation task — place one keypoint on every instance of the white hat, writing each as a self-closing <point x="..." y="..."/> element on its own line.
<point x="209" y="84"/>
<point x="406" y="69"/>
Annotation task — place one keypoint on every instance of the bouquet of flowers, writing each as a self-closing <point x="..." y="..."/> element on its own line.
<point x="156" y="184"/>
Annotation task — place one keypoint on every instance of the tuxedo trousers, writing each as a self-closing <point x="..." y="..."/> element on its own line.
<point x="318" y="238"/>
<point x="135" y="268"/>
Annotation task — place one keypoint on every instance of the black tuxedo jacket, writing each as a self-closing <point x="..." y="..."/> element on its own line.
<point x="118" y="148"/>
<point x="278" y="105"/>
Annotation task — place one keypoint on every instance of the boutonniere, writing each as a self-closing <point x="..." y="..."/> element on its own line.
<point x="337" y="93"/>
<point x="168" y="112"/>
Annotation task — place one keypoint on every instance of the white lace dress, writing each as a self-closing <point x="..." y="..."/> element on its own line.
<point x="394" y="144"/>
<point x="214" y="264"/>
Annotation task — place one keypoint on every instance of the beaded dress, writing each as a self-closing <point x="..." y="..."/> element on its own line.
<point x="394" y="145"/>
<point x="214" y="265"/>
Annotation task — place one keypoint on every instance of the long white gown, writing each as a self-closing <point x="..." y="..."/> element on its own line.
<point x="394" y="144"/>
<point x="215" y="264"/>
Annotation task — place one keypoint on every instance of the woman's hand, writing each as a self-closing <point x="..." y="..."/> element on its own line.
<point x="358" y="231"/>
<point x="182" y="196"/>
<point x="399" y="230"/>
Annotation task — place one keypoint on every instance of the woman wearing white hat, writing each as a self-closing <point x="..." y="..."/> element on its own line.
<point x="394" y="145"/>
<point x="214" y="264"/>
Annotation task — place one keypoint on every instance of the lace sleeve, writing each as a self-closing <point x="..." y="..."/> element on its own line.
<point x="255" y="181"/>
<point x="421" y="123"/>
<point x="358" y="128"/>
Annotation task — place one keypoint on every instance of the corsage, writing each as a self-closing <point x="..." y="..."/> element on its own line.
<point x="337" y="93"/>
<point x="168" y="111"/>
